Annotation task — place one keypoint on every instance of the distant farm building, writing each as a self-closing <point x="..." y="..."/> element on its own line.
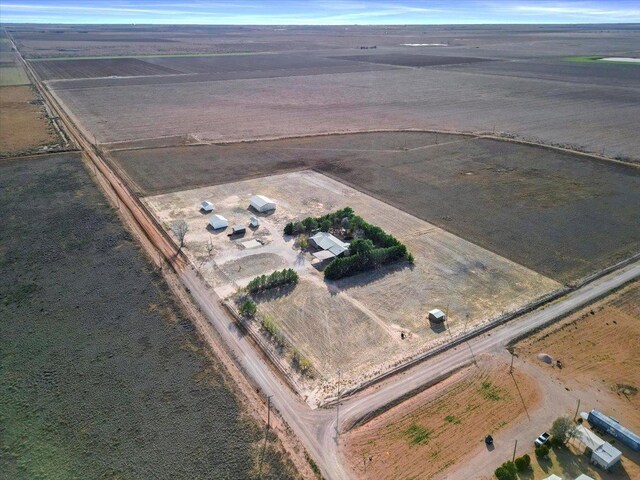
<point x="600" y="421"/>
<point x="207" y="206"/>
<point x="331" y="246"/>
<point x="436" y="315"/>
<point x="262" y="204"/>
<point x="218" y="221"/>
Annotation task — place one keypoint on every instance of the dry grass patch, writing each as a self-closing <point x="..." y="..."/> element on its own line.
<point x="598" y="347"/>
<point x="24" y="124"/>
<point x="441" y="426"/>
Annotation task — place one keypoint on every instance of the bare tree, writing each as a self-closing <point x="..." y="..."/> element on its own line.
<point x="180" y="229"/>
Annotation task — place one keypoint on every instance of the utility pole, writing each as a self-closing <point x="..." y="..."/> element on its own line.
<point x="269" y="412"/>
<point x="466" y="320"/>
<point x="514" y="451"/>
<point x="511" y="367"/>
<point x="338" y="409"/>
<point x="577" y="408"/>
<point x="446" y="319"/>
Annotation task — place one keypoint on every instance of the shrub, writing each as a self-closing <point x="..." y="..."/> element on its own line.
<point x="248" y="308"/>
<point x="288" y="228"/>
<point x="523" y="463"/>
<point x="561" y="430"/>
<point x="542" y="451"/>
<point x="511" y="468"/>
<point x="300" y="362"/>
<point x="503" y="474"/>
<point x="303" y="241"/>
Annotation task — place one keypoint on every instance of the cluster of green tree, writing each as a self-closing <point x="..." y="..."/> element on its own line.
<point x="364" y="256"/>
<point x="276" y="279"/>
<point x="374" y="249"/>
<point x="248" y="308"/>
<point x="344" y="219"/>
<point x="509" y="470"/>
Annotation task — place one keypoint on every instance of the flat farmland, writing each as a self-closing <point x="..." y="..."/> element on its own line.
<point x="121" y="67"/>
<point x="475" y="285"/>
<point x="408" y="60"/>
<point x="559" y="214"/>
<point x="25" y="127"/>
<point x="102" y="378"/>
<point x="597" y="118"/>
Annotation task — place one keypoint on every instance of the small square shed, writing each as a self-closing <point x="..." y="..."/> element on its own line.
<point x="437" y="315"/>
<point x="207" y="206"/>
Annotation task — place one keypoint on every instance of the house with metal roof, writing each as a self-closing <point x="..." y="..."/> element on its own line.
<point x="329" y="243"/>
<point x="260" y="203"/>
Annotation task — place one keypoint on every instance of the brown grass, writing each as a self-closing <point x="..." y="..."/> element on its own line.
<point x="24" y="126"/>
<point x="441" y="426"/>
<point x="598" y="347"/>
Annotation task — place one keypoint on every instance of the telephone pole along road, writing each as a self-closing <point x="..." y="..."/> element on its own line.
<point x="316" y="429"/>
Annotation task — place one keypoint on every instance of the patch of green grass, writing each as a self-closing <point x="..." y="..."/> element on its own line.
<point x="595" y="59"/>
<point x="452" y="419"/>
<point x="10" y="76"/>
<point x="418" y="435"/>
<point x="490" y="391"/>
<point x="161" y="55"/>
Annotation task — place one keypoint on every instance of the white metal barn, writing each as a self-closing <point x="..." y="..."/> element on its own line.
<point x="260" y="203"/>
<point x="218" y="221"/>
<point x="207" y="206"/>
<point x="436" y="315"/>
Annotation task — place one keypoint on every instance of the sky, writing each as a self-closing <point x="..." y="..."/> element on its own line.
<point x="319" y="12"/>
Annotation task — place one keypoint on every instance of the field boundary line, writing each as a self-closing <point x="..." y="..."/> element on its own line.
<point x="506" y="137"/>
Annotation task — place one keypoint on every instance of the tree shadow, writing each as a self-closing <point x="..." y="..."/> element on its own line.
<point x="273" y="293"/>
<point x="369" y="276"/>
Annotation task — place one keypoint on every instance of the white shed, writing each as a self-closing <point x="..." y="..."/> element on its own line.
<point x="255" y="223"/>
<point x="207" y="206"/>
<point x="260" y="203"/>
<point x="436" y="315"/>
<point x="584" y="477"/>
<point x="553" y="476"/>
<point x="606" y="456"/>
<point x="218" y="221"/>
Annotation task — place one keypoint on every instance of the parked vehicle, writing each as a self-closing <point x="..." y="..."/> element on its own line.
<point x="542" y="439"/>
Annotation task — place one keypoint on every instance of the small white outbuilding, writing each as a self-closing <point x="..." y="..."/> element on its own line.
<point x="260" y="203"/>
<point x="207" y="206"/>
<point x="437" y="315"/>
<point x="218" y="221"/>
<point x="606" y="456"/>
<point x="255" y="223"/>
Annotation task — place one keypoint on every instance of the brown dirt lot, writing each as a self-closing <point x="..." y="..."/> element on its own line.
<point x="598" y="347"/>
<point x="24" y="125"/>
<point x="442" y="426"/>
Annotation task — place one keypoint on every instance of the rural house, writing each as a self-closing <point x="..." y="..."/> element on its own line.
<point x="327" y="242"/>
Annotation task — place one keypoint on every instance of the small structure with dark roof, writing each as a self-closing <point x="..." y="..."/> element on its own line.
<point x="207" y="206"/>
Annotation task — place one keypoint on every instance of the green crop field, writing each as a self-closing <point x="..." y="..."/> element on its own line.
<point x="13" y="76"/>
